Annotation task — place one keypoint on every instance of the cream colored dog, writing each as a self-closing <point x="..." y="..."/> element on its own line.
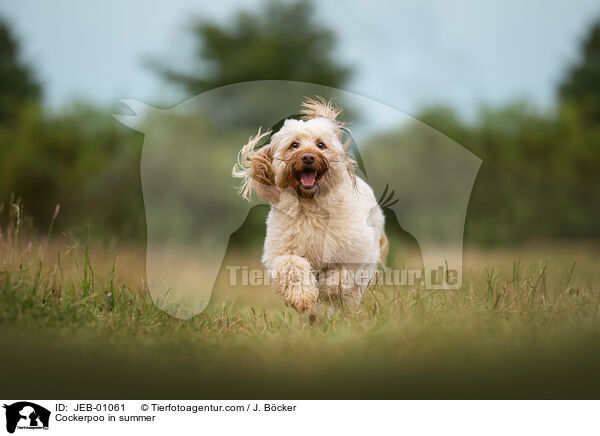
<point x="325" y="231"/>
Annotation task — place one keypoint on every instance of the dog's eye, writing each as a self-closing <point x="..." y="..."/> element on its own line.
<point x="294" y="145"/>
<point x="321" y="145"/>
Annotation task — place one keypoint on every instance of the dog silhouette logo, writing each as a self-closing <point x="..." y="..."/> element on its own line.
<point x="192" y="205"/>
<point x="26" y="415"/>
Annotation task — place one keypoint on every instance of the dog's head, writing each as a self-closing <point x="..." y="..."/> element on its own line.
<point x="305" y="155"/>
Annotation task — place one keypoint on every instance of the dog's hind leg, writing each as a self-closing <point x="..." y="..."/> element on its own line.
<point x="345" y="284"/>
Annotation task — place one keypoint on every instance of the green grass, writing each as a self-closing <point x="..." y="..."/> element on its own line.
<point x="73" y="325"/>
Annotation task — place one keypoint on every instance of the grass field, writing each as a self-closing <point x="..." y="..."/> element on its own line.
<point x="77" y="322"/>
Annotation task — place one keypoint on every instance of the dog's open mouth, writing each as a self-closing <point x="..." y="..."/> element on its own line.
<point x="309" y="179"/>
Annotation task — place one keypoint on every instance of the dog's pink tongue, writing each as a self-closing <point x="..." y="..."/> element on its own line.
<point x="308" y="178"/>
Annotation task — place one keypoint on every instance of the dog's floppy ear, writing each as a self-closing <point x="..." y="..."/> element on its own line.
<point x="255" y="168"/>
<point x="263" y="174"/>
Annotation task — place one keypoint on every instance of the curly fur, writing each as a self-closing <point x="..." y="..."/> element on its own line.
<point x="323" y="240"/>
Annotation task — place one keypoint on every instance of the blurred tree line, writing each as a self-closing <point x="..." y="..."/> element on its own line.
<point x="538" y="178"/>
<point x="78" y="157"/>
<point x="540" y="173"/>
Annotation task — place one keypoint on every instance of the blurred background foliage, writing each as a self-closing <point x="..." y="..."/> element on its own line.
<point x="538" y="179"/>
<point x="281" y="42"/>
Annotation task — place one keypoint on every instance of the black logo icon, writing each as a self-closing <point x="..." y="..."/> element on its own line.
<point x="26" y="415"/>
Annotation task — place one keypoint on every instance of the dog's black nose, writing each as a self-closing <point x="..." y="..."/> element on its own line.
<point x="308" y="158"/>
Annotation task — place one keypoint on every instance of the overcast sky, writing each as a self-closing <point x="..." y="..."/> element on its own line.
<point x="406" y="54"/>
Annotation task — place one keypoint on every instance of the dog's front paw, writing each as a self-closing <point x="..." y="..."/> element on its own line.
<point x="303" y="301"/>
<point x="293" y="278"/>
<point x="301" y="295"/>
